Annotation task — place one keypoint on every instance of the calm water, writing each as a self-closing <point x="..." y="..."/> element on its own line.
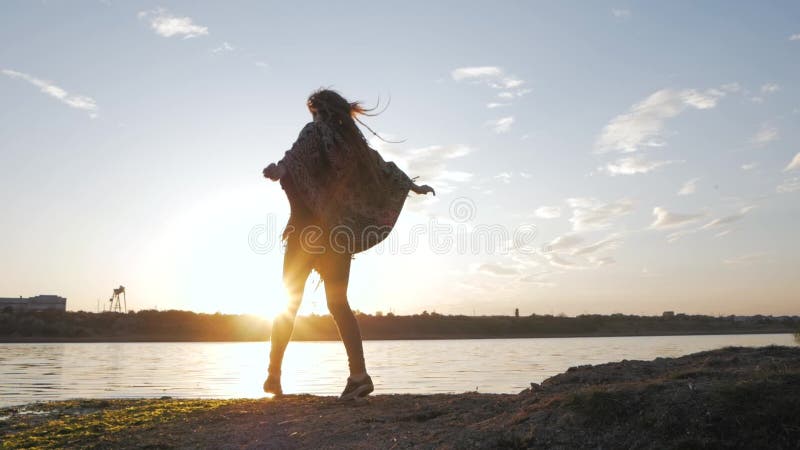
<point x="37" y="372"/>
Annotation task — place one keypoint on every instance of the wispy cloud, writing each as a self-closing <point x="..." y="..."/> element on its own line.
<point x="81" y="102"/>
<point x="564" y="243"/>
<point x="505" y="177"/>
<point x="167" y="25"/>
<point x="570" y="252"/>
<point x="430" y="164"/>
<point x="509" y="95"/>
<point x="642" y="126"/>
<point x="721" y="226"/>
<point x="498" y="270"/>
<point x="479" y="73"/>
<point x="501" y="125"/>
<point x="223" y="48"/>
<point x="592" y="214"/>
<point x="729" y="219"/>
<point x="633" y="165"/>
<point x="493" y="105"/>
<point x="621" y="13"/>
<point x="770" y="88"/>
<point x="747" y="259"/>
<point x="559" y="261"/>
<point x="749" y="166"/>
<point x="547" y="212"/>
<point x="794" y="164"/>
<point x="795" y="37"/>
<point x="689" y="187"/>
<point x="608" y="243"/>
<point x="788" y="185"/>
<point x="666" y="220"/>
<point x="494" y="77"/>
<point x="766" y="134"/>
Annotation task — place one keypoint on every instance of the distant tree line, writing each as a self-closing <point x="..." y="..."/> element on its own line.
<point x="175" y="325"/>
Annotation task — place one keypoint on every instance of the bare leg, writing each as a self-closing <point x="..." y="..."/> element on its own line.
<point x="336" y="277"/>
<point x="296" y="268"/>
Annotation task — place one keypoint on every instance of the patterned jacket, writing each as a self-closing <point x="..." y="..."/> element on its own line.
<point x="357" y="209"/>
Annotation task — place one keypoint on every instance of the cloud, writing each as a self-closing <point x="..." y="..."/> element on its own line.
<point x="494" y="105"/>
<point x="537" y="280"/>
<point x="666" y="220"/>
<point x="430" y="164"/>
<point x="642" y="125"/>
<point x="493" y="77"/>
<point x="567" y="251"/>
<point x="721" y="225"/>
<point x="561" y="262"/>
<point x="602" y="261"/>
<point x="563" y="244"/>
<point x="501" y="125"/>
<point x="731" y="87"/>
<point x="770" y="88"/>
<point x="794" y="164"/>
<point x="591" y="214"/>
<point x="677" y="235"/>
<point x="505" y="177"/>
<point x="608" y="243"/>
<point x="508" y="95"/>
<point x="745" y="259"/>
<point x="223" y="48"/>
<point x="788" y="185"/>
<point x="727" y="220"/>
<point x="81" y="102"/>
<point x="795" y="37"/>
<point x="167" y="25"/>
<point x="633" y="166"/>
<point x="472" y="73"/>
<point x="621" y="13"/>
<point x="548" y="212"/>
<point x="766" y="134"/>
<point x="498" y="270"/>
<point x="749" y="166"/>
<point x="689" y="187"/>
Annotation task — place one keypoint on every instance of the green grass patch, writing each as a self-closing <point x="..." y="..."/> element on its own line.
<point x="98" y="424"/>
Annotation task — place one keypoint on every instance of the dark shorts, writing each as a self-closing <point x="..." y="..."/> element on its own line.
<point x="308" y="245"/>
<point x="307" y="249"/>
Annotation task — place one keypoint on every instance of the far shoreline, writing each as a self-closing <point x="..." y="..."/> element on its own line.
<point x="162" y="339"/>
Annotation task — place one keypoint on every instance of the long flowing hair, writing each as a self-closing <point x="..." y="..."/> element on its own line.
<point x="341" y="116"/>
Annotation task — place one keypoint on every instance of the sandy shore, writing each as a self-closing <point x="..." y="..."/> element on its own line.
<point x="729" y="398"/>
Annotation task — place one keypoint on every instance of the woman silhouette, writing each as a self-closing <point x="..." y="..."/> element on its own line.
<point x="344" y="199"/>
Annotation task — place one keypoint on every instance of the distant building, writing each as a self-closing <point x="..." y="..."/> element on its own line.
<point x="668" y="314"/>
<point x="38" y="303"/>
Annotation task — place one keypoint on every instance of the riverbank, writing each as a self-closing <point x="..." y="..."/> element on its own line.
<point x="733" y="397"/>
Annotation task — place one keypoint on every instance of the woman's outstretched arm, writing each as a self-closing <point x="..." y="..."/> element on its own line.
<point x="424" y="189"/>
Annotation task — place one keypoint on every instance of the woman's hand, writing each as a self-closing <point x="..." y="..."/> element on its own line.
<point x="274" y="172"/>
<point x="424" y="189"/>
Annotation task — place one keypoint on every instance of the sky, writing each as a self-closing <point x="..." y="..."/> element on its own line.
<point x="588" y="157"/>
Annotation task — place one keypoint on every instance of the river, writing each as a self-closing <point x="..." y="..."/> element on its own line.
<point x="54" y="371"/>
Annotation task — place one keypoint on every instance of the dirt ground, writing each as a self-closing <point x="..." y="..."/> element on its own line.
<point x="728" y="398"/>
